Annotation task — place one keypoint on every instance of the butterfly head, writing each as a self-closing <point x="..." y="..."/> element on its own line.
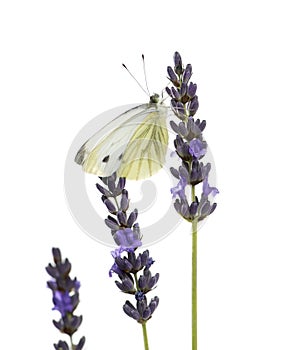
<point x="154" y="98"/>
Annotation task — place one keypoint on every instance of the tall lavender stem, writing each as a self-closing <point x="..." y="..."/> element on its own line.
<point x="191" y="148"/>
<point x="194" y="278"/>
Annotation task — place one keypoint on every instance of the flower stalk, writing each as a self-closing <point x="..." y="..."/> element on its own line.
<point x="145" y="336"/>
<point x="194" y="285"/>
<point x="133" y="270"/>
<point x="190" y="147"/>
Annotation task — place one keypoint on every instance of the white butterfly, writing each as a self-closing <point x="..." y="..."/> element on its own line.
<point x="135" y="149"/>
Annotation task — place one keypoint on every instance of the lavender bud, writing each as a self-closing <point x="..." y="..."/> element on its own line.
<point x="132" y="217"/>
<point x="177" y="59"/>
<point x="185" y="209"/>
<point x="193" y="208"/>
<point x="183" y="129"/>
<point x="103" y="190"/>
<point x="57" y="257"/>
<point x="175" y="93"/>
<point x="112" y="223"/>
<point x="173" y="104"/>
<point x="153" y="281"/>
<point x="81" y="343"/>
<point x="168" y="91"/>
<point x="187" y="74"/>
<point x="130" y="310"/>
<point x="137" y="265"/>
<point x="142" y="282"/>
<point x="141" y="305"/>
<point x="121" y="184"/>
<point x="123" y="264"/>
<point x="205" y="209"/>
<point x="174" y="126"/>
<point x="183" y="172"/>
<point x="153" y="304"/>
<point x="174" y="172"/>
<point x="172" y="75"/>
<point x="191" y="91"/>
<point x="180" y="108"/>
<point x="128" y="285"/>
<point x="121" y="218"/>
<point x="206" y="169"/>
<point x="177" y="206"/>
<point x="202" y="125"/>
<point x="146" y="313"/>
<point x="75" y="323"/>
<point x="144" y="257"/>
<point x="110" y="206"/>
<point x="183" y="90"/>
<point x="62" y="345"/>
<point x="124" y="202"/>
<point x="194" y="105"/>
<point x="149" y="263"/>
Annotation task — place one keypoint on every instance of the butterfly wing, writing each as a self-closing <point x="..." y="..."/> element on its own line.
<point x="145" y="153"/>
<point x="115" y="148"/>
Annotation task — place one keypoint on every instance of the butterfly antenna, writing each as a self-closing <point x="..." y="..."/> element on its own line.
<point x="135" y="79"/>
<point x="145" y="75"/>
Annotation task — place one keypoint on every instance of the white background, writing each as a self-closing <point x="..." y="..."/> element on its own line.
<point x="61" y="66"/>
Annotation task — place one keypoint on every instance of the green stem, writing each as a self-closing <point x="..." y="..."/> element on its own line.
<point x="115" y="199"/>
<point x="145" y="336"/>
<point x="72" y="344"/>
<point x="136" y="281"/>
<point x="194" y="278"/>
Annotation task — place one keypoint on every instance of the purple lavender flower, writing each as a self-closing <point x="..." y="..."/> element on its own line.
<point x="179" y="189"/>
<point x="127" y="239"/>
<point x="207" y="190"/>
<point x="189" y="144"/>
<point x="65" y="299"/>
<point x="126" y="234"/>
<point x="197" y="148"/>
<point x="62" y="302"/>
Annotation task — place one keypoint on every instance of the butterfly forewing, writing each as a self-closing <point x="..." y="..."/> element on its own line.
<point x="135" y="149"/>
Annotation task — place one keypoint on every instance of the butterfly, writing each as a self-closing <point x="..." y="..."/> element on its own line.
<point x="135" y="149"/>
<point x="133" y="145"/>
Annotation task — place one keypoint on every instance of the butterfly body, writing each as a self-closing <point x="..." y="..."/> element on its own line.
<point x="135" y="149"/>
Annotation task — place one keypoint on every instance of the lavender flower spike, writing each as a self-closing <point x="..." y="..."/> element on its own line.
<point x="65" y="299"/>
<point x="190" y="147"/>
<point x="133" y="270"/>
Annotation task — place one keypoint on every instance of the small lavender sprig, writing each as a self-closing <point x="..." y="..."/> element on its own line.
<point x="133" y="270"/>
<point x="190" y="147"/>
<point x="65" y="300"/>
